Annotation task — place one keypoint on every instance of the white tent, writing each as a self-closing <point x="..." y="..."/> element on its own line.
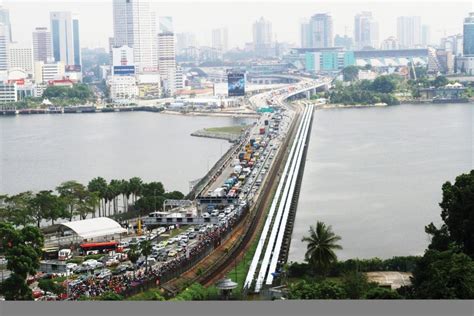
<point x="95" y="227"/>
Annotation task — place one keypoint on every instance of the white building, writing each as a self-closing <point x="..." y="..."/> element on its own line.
<point x="4" y="44"/>
<point x="45" y="72"/>
<point x="65" y="38"/>
<point x="123" y="89"/>
<point x="135" y="26"/>
<point x="123" y="62"/>
<point x="21" y="57"/>
<point x="262" y="37"/>
<point x="42" y="45"/>
<point x="167" y="54"/>
<point x="5" y="20"/>
<point x="409" y="31"/>
<point x="366" y="31"/>
<point x="8" y="92"/>
<point x="321" y="30"/>
<point x="220" y="39"/>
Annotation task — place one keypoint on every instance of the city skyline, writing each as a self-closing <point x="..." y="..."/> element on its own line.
<point x="286" y="27"/>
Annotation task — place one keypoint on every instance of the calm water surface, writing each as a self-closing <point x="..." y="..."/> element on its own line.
<point x="40" y="151"/>
<point x="375" y="175"/>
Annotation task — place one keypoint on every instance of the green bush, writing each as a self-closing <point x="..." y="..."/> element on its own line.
<point x="49" y="285"/>
<point x="110" y="296"/>
<point x="378" y="293"/>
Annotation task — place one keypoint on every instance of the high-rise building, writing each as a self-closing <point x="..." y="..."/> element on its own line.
<point x="42" y="46"/>
<point x="305" y="34"/>
<point x="262" y="37"/>
<point x="4" y="44"/>
<point x="409" y="31"/>
<point x="45" y="72"/>
<point x="366" y="31"/>
<point x="20" y="57"/>
<point x="453" y="44"/>
<point x="135" y="26"/>
<point x="468" y="35"/>
<point x="65" y="38"/>
<point x="425" y="35"/>
<point x="321" y="30"/>
<point x="167" y="53"/>
<point x="5" y="19"/>
<point x="220" y="39"/>
<point x="184" y="41"/>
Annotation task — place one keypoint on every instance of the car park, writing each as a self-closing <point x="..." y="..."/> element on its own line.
<point x="105" y="273"/>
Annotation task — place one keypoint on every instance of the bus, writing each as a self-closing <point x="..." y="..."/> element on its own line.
<point x="99" y="247"/>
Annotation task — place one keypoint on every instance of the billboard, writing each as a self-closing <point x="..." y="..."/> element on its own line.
<point x="236" y="84"/>
<point x="124" y="70"/>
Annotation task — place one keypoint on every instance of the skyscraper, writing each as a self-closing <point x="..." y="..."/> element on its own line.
<point x="4" y="45"/>
<point x="167" y="53"/>
<point x="425" y="35"/>
<point x="366" y="31"/>
<point x="135" y="26"/>
<point x="185" y="40"/>
<point x="65" y="38"/>
<point x="468" y="35"/>
<point x="262" y="37"/>
<point x="20" y="57"/>
<point x="220" y="39"/>
<point x="321" y="30"/>
<point x="409" y="31"/>
<point x="305" y="34"/>
<point x="42" y="44"/>
<point x="5" y="19"/>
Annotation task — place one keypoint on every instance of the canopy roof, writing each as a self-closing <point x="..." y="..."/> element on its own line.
<point x="95" y="227"/>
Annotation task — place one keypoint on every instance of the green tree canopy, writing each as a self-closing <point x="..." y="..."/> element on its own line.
<point x="321" y="245"/>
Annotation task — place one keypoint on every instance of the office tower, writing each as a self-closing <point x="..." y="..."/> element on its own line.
<point x="4" y="44"/>
<point x="453" y="43"/>
<point x="321" y="30"/>
<point x="45" y="72"/>
<point x="135" y="26"/>
<point x="262" y="37"/>
<point x="366" y="31"/>
<point x="65" y="38"/>
<point x="5" y="20"/>
<point x="220" y="39"/>
<point x="184" y="41"/>
<point x="425" y="35"/>
<point x="20" y="57"/>
<point x="42" y="45"/>
<point x="167" y="53"/>
<point x="468" y="35"/>
<point x="305" y="34"/>
<point x="409" y="31"/>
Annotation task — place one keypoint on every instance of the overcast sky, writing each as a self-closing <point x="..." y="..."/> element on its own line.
<point x="200" y="17"/>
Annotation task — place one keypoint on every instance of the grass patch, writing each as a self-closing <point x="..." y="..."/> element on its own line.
<point x="227" y="129"/>
<point x="148" y="295"/>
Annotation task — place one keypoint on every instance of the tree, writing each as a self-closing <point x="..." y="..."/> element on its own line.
<point x="444" y="275"/>
<point x="115" y="187"/>
<point x="440" y="81"/>
<point x="87" y="205"/>
<point x="110" y="296"/>
<point x="458" y="211"/>
<point x="384" y="84"/>
<point x="136" y="185"/>
<point x="356" y="284"/>
<point x="133" y="255"/>
<point x="350" y="73"/>
<point x="316" y="290"/>
<point x="99" y="185"/>
<point x="23" y="248"/>
<point x="379" y="293"/>
<point x="46" y="205"/>
<point x="321" y="245"/>
<point x="17" y="209"/>
<point x="146" y="248"/>
<point x="72" y="193"/>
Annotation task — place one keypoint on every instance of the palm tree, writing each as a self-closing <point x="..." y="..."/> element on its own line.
<point x="133" y="255"/>
<point x="136" y="185"/>
<point x="99" y="185"/>
<point x="321" y="245"/>
<point x="146" y="248"/>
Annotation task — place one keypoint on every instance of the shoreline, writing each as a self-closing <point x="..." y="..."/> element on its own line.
<point x="216" y="114"/>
